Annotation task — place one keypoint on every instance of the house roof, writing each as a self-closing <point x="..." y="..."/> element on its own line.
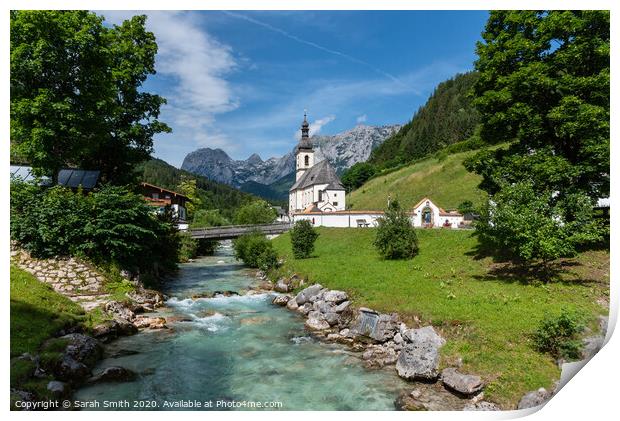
<point x="161" y="189"/>
<point x="74" y="178"/>
<point x="321" y="173"/>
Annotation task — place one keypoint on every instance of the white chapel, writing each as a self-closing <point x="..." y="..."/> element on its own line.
<point x="317" y="186"/>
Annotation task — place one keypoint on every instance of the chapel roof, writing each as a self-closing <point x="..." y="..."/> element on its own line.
<point x="321" y="173"/>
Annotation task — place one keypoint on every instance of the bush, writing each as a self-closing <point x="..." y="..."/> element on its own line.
<point x="303" y="236"/>
<point x="188" y="247"/>
<point x="111" y="225"/>
<point x="256" y="251"/>
<point x="258" y="212"/>
<point x="396" y="237"/>
<point x="557" y="335"/>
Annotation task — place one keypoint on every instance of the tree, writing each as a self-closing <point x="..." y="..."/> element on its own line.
<point x="187" y="186"/>
<point x="257" y="212"/>
<point x="357" y="175"/>
<point x="303" y="236"/>
<point x="530" y="225"/>
<point x="544" y="87"/>
<point x="396" y="237"/>
<point x="76" y="93"/>
<point x="465" y="207"/>
<point x="256" y="251"/>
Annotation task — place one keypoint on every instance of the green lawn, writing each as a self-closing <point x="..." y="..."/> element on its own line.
<point x="446" y="182"/>
<point x="37" y="312"/>
<point x="486" y="313"/>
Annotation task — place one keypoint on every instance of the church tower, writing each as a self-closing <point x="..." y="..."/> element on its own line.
<point x="304" y="154"/>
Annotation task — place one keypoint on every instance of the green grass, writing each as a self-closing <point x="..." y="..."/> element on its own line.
<point x="445" y="181"/>
<point x="485" y="310"/>
<point x="37" y="312"/>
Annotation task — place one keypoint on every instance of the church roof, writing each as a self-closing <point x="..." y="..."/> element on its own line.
<point x="321" y="173"/>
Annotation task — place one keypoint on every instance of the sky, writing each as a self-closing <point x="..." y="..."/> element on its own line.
<point x="240" y="81"/>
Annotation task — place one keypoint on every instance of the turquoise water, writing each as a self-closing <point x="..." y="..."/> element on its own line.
<point x="237" y="349"/>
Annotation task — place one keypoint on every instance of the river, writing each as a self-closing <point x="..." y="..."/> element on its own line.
<point x="231" y="350"/>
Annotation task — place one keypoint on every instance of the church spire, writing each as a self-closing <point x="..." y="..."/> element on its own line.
<point x="304" y="142"/>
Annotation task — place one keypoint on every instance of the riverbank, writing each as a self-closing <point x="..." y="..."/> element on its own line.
<point x="486" y="310"/>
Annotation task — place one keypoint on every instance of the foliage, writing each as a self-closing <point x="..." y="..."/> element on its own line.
<point x="208" y="218"/>
<point x="303" y="236"/>
<point x="447" y="117"/>
<point x="465" y="207"/>
<point x="187" y="186"/>
<point x="258" y="212"/>
<point x="256" y="251"/>
<point x="77" y="98"/>
<point x="544" y="85"/>
<point x="531" y="225"/>
<point x="558" y="335"/>
<point x="37" y="312"/>
<point x="396" y="237"/>
<point x="108" y="225"/>
<point x="214" y="196"/>
<point x="357" y="175"/>
<point x="485" y="310"/>
<point x="188" y="247"/>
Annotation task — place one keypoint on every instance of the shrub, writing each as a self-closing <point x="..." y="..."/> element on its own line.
<point x="557" y="335"/>
<point x="303" y="236"/>
<point x="112" y="225"/>
<point x="188" y="247"/>
<point x="256" y="251"/>
<point x="257" y="212"/>
<point x="396" y="237"/>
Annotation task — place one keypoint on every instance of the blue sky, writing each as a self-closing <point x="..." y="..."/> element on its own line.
<point x="240" y="81"/>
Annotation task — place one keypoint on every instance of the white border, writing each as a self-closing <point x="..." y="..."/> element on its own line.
<point x="590" y="394"/>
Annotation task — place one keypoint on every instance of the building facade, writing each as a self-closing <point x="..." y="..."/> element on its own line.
<point x="161" y="198"/>
<point x="317" y="186"/>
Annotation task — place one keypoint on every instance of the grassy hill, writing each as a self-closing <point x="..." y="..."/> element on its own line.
<point x="442" y="178"/>
<point x="487" y="310"/>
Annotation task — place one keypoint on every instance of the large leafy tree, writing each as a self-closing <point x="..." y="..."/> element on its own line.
<point x="76" y="97"/>
<point x="544" y="87"/>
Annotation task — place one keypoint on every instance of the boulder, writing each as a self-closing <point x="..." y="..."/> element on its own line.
<point x="342" y="307"/>
<point x="83" y="348"/>
<point x="59" y="389"/>
<point x="482" y="406"/>
<point x="305" y="309"/>
<point x="331" y="318"/>
<point x="306" y="294"/>
<point x="111" y="329"/>
<point x="534" y="398"/>
<point x="147" y="296"/>
<point x="465" y="384"/>
<point x="431" y="397"/>
<point x="282" y="285"/>
<point x="379" y="356"/>
<point x="281" y="300"/>
<point x="373" y="325"/>
<point x="334" y="296"/>
<point x="292" y="304"/>
<point x="113" y="374"/>
<point x="316" y="324"/>
<point x="150" y="322"/>
<point x="419" y="358"/>
<point x="70" y="370"/>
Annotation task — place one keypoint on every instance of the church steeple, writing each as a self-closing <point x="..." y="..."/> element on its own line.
<point x="304" y="154"/>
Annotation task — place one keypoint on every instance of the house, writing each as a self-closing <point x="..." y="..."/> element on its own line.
<point x="160" y="198"/>
<point x="427" y="214"/>
<point x="316" y="186"/>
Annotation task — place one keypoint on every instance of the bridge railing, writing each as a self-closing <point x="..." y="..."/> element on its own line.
<point x="238" y="229"/>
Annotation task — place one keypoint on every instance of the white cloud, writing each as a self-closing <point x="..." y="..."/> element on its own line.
<point x="197" y="65"/>
<point x="316" y="125"/>
<point x="362" y="119"/>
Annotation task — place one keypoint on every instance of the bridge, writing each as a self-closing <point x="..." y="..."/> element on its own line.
<point x="228" y="232"/>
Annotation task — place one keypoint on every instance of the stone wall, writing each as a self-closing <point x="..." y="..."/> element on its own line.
<point x="76" y="279"/>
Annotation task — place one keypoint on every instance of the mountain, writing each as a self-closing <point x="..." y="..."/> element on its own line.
<point x="447" y="117"/>
<point x="214" y="195"/>
<point x="255" y="175"/>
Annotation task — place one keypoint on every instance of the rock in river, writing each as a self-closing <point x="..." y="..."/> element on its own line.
<point x="281" y="300"/>
<point x="113" y="374"/>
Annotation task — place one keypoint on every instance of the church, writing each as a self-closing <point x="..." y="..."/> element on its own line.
<point x="317" y="187"/>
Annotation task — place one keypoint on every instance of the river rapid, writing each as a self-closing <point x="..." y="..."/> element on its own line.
<point x="237" y="352"/>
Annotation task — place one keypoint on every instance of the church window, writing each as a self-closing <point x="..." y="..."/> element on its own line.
<point x="335" y="203"/>
<point x="307" y="160"/>
<point x="320" y="196"/>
